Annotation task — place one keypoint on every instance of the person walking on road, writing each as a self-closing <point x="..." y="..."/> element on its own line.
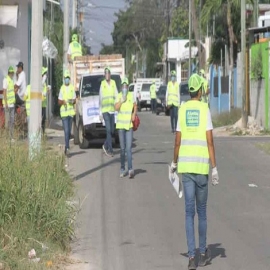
<point x="66" y="101"/>
<point x="20" y="86"/>
<point x="107" y="96"/>
<point x="153" y="95"/>
<point x="193" y="147"/>
<point x="9" y="101"/>
<point x="127" y="110"/>
<point x="205" y="87"/>
<point x="173" y="100"/>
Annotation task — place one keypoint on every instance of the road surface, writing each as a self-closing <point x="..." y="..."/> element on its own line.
<point x="139" y="224"/>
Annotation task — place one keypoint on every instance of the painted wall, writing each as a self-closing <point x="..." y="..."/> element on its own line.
<point x="16" y="40"/>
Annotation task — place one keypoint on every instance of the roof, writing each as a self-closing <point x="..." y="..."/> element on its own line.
<point x="257" y="30"/>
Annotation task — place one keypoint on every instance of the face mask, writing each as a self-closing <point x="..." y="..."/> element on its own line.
<point x="124" y="91"/>
<point x="67" y="80"/>
<point x="173" y="78"/>
<point x="44" y="78"/>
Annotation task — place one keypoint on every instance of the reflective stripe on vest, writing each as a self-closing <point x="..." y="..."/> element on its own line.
<point x="27" y="100"/>
<point x="76" y="49"/>
<point x="9" y="92"/>
<point x="44" y="96"/>
<point x="153" y="93"/>
<point x="193" y="154"/>
<point x="108" y="96"/>
<point x="125" y="113"/>
<point x="173" y="94"/>
<point x="67" y="93"/>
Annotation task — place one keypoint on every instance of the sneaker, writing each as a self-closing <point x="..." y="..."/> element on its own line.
<point x="67" y="152"/>
<point x="205" y="258"/>
<point x="105" y="150"/>
<point x="191" y="264"/>
<point x="131" y="174"/>
<point x="122" y="173"/>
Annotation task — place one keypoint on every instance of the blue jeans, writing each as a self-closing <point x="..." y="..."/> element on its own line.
<point x="109" y="124"/>
<point x="174" y="117"/>
<point x="125" y="138"/>
<point x="67" y="125"/>
<point x="195" y="188"/>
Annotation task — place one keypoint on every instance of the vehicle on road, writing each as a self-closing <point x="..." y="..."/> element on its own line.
<point x="184" y="93"/>
<point x="161" y="101"/>
<point x="87" y="125"/>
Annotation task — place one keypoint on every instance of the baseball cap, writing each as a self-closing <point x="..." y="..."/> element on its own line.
<point x="125" y="81"/>
<point x="11" y="69"/>
<point x="44" y="70"/>
<point x="194" y="83"/>
<point x="66" y="74"/>
<point x="20" y="64"/>
<point x="107" y="69"/>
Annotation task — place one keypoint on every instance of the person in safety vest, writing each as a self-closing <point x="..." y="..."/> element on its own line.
<point x="153" y="95"/>
<point x="74" y="49"/>
<point x="107" y="96"/>
<point x="9" y="101"/>
<point x="45" y="93"/>
<point x="194" y="147"/>
<point x="173" y="100"/>
<point x="27" y="102"/>
<point x="66" y="101"/>
<point x="205" y="88"/>
<point x="127" y="110"/>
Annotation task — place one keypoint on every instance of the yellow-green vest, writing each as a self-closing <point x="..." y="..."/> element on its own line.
<point x="108" y="96"/>
<point x="153" y="93"/>
<point x="173" y="94"/>
<point x="125" y="113"/>
<point x="68" y="109"/>
<point x="76" y="49"/>
<point x="204" y="89"/>
<point x="9" y="92"/>
<point x="27" y="99"/>
<point x="193" y="154"/>
<point x="44" y="96"/>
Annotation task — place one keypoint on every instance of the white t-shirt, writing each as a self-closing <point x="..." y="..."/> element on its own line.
<point x="60" y="96"/>
<point x="69" y="49"/>
<point x="21" y="83"/>
<point x="209" y="125"/>
<point x="5" y="86"/>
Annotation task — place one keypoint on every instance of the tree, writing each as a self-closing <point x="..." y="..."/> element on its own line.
<point x="107" y="49"/>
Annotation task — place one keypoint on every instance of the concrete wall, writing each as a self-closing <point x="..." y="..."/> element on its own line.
<point x="16" y="40"/>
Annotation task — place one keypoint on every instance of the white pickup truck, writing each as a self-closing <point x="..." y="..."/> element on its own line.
<point x="89" y="73"/>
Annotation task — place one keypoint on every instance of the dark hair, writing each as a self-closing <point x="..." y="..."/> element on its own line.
<point x="194" y="94"/>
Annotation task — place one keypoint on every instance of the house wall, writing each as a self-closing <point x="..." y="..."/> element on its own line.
<point x="16" y="40"/>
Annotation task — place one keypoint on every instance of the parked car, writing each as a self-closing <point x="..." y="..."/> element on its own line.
<point x="161" y="101"/>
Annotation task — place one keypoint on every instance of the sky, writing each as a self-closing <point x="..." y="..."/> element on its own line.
<point x="99" y="20"/>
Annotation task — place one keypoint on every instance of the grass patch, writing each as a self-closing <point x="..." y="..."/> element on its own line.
<point x="227" y="118"/>
<point x="264" y="147"/>
<point x="34" y="213"/>
<point x="265" y="132"/>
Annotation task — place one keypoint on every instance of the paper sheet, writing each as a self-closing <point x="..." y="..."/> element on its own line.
<point x="176" y="182"/>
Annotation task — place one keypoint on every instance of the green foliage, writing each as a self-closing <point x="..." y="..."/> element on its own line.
<point x="180" y="23"/>
<point x="33" y="203"/>
<point x="107" y="49"/>
<point x="257" y="65"/>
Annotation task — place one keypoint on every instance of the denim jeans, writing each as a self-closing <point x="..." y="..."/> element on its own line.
<point x="9" y="120"/>
<point x="174" y="117"/>
<point x="43" y="119"/>
<point x="67" y="125"/>
<point x="109" y="124"/>
<point x="195" y="188"/>
<point x="153" y="105"/>
<point x="125" y="138"/>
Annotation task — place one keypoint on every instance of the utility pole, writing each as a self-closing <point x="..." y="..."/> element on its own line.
<point x="243" y="52"/>
<point x="34" y="131"/>
<point x="255" y="13"/>
<point x="74" y="14"/>
<point x="190" y="21"/>
<point x="66" y="34"/>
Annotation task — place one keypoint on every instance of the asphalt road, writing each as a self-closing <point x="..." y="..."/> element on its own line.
<point x="139" y="224"/>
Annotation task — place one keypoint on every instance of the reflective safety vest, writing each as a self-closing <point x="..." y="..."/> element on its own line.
<point x="9" y="92"/>
<point x="125" y="113"/>
<point x="204" y="89"/>
<point x="193" y="154"/>
<point x="76" y="49"/>
<point x="173" y="94"/>
<point x="108" y="96"/>
<point x="27" y="99"/>
<point x="44" y="96"/>
<point x="68" y="92"/>
<point x="153" y="93"/>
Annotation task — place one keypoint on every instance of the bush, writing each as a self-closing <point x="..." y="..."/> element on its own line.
<point x="226" y="118"/>
<point x="34" y="212"/>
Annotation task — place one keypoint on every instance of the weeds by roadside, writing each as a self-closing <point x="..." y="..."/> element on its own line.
<point x="226" y="118"/>
<point x="34" y="213"/>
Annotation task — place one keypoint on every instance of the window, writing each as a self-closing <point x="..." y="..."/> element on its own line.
<point x="131" y="88"/>
<point x="146" y="87"/>
<point x="184" y="89"/>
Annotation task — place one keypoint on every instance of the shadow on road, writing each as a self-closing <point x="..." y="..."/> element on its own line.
<point x="72" y="154"/>
<point x="139" y="171"/>
<point x="157" y="163"/>
<point x="102" y="166"/>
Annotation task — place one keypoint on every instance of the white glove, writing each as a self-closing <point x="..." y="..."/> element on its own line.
<point x="101" y="118"/>
<point x="173" y="167"/>
<point x="215" y="178"/>
<point x="123" y="99"/>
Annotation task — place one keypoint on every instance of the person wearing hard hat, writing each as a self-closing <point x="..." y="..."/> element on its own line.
<point x="107" y="96"/>
<point x="153" y="95"/>
<point x="173" y="100"/>
<point x="74" y="49"/>
<point x="66" y="101"/>
<point x="205" y="89"/>
<point x="45" y="93"/>
<point x="126" y="107"/>
<point x="193" y="148"/>
<point x="9" y="101"/>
